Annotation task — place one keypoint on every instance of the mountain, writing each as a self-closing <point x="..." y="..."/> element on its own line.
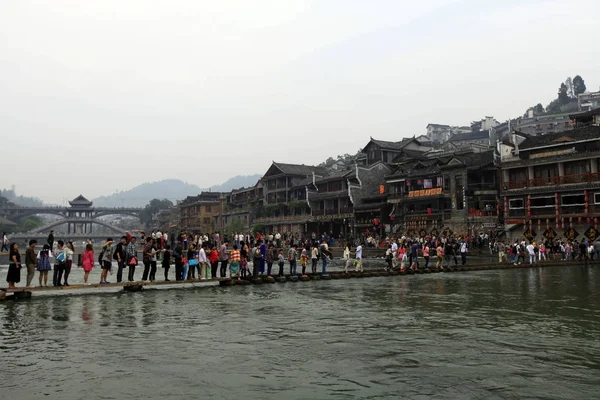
<point x="237" y="182"/>
<point x="139" y="196"/>
<point x="171" y="189"/>
<point x="11" y="196"/>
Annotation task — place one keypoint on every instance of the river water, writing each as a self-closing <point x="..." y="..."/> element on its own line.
<point x="506" y="334"/>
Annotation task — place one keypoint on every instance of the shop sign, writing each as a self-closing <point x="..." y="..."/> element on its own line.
<point x="425" y="192"/>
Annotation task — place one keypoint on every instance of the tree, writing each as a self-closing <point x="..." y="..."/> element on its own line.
<point x="563" y="97"/>
<point x="578" y="85"/>
<point x="154" y="206"/>
<point x="570" y="90"/>
<point x="538" y="109"/>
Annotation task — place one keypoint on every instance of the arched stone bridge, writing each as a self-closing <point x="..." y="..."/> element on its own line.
<point x="80" y="216"/>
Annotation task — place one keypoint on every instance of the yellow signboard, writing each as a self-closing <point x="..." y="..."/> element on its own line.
<point x="425" y="192"/>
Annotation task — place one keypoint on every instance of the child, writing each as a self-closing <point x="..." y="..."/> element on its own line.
<point x="303" y="260"/>
<point x="281" y="262"/>
<point x="43" y="267"/>
<point x="88" y="262"/>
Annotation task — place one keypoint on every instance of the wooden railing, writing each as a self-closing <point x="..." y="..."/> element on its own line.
<point x="553" y="181"/>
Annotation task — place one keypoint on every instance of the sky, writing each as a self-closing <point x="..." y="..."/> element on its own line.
<point x="100" y="96"/>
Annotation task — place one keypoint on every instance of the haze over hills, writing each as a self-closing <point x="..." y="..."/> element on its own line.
<point x="171" y="189"/>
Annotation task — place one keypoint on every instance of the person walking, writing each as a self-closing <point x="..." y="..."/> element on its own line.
<point x="234" y="267"/>
<point x="154" y="260"/>
<point x="224" y="256"/>
<point x="463" y="252"/>
<point x="106" y="258"/>
<point x="202" y="263"/>
<point x="314" y="256"/>
<point x="439" y="253"/>
<point x="69" y="253"/>
<point x="257" y="256"/>
<point x="166" y="261"/>
<point x="358" y="254"/>
<point x="214" y="261"/>
<point x="147" y="258"/>
<point x="270" y="258"/>
<point x="43" y="264"/>
<point x="192" y="262"/>
<point x="132" y="259"/>
<point x="31" y="261"/>
<point x="4" y="242"/>
<point x="60" y="261"/>
<point x="426" y="254"/>
<point x="120" y="255"/>
<point x="50" y="240"/>
<point x="88" y="263"/>
<point x="531" y="251"/>
<point x="292" y="256"/>
<point x="14" y="268"/>
<point x="325" y="255"/>
<point x="178" y="257"/>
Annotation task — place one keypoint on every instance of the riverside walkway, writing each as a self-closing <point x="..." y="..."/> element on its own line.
<point x="26" y="292"/>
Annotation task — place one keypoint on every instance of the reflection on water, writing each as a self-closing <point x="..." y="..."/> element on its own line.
<point x="530" y="333"/>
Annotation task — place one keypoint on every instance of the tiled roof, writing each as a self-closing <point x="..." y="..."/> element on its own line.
<point x="459" y="137"/>
<point x="297" y="169"/>
<point x="578" y="134"/>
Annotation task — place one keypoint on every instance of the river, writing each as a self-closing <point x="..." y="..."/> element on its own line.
<point x="505" y="334"/>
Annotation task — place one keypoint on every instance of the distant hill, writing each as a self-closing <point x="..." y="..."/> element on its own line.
<point x="11" y="196"/>
<point x="236" y="182"/>
<point x="171" y="189"/>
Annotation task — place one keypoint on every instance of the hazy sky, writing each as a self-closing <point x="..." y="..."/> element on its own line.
<point x="97" y="96"/>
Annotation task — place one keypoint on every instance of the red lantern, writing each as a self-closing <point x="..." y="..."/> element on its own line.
<point x="529" y="213"/>
<point x="596" y="221"/>
<point x="589" y="220"/>
<point x="579" y="219"/>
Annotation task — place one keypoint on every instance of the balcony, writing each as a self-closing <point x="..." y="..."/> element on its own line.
<point x="331" y="211"/>
<point x="318" y="212"/>
<point x="554" y="181"/>
<point x="346" y="210"/>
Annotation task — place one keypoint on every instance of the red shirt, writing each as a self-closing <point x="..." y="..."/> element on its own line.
<point x="214" y="256"/>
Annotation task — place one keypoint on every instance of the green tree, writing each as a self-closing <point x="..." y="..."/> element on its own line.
<point x="563" y="97"/>
<point x="578" y="85"/>
<point x="154" y="206"/>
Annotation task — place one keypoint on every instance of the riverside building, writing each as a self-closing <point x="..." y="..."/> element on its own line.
<point x="550" y="185"/>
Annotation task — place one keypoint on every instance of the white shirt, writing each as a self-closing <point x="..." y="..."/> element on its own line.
<point x="530" y="249"/>
<point x="463" y="247"/>
<point x="359" y="252"/>
<point x="202" y="256"/>
<point x="277" y="236"/>
<point x="394" y="247"/>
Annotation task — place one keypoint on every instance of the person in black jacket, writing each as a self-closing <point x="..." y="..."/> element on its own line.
<point x="50" y="240"/>
<point x="178" y="256"/>
<point x="120" y="255"/>
<point x="166" y="261"/>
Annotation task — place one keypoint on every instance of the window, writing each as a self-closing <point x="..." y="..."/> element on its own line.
<point x="517" y="175"/>
<point x="207" y="209"/>
<point x="543" y="202"/>
<point x="446" y="182"/>
<point x="577" y="167"/>
<point x="597" y="198"/>
<point x="573" y="200"/>
<point x="516" y="204"/>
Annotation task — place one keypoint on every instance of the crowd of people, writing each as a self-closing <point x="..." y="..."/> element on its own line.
<point x="241" y="256"/>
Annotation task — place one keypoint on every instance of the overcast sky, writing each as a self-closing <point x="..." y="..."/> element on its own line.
<point x="99" y="96"/>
